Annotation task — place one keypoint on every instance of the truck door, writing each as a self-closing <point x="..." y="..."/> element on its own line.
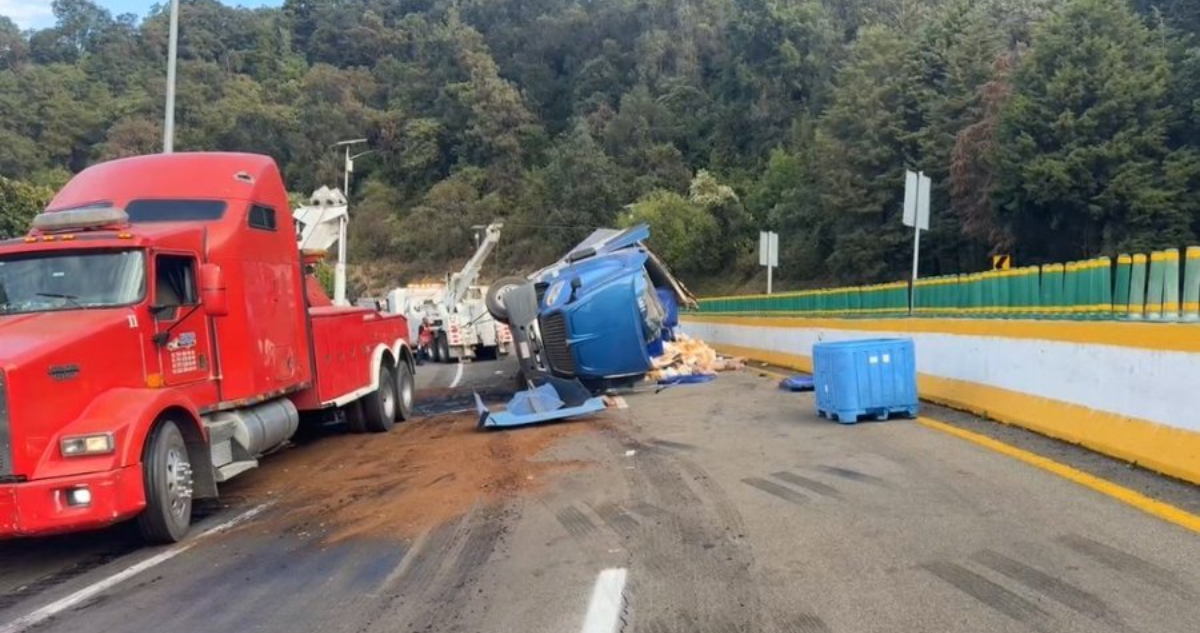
<point x="184" y="342"/>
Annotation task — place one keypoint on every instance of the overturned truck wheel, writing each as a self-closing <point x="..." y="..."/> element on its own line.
<point x="494" y="300"/>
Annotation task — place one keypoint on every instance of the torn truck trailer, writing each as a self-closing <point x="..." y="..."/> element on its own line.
<point x="596" y="314"/>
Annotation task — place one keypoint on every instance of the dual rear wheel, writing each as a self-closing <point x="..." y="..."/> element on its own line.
<point x="392" y="402"/>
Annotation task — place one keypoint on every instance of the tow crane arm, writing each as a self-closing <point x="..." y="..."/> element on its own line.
<point x="461" y="281"/>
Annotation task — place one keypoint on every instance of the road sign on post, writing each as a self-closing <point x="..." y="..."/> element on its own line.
<point x="917" y="188"/>
<point x="768" y="253"/>
<point x="916" y="200"/>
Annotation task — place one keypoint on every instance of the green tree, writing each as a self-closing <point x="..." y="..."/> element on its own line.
<point x="579" y="189"/>
<point x="723" y="204"/>
<point x="1082" y="159"/>
<point x="682" y="232"/>
<point x="14" y="49"/>
<point x="866" y="141"/>
<point x="1059" y="126"/>
<point x="19" y="202"/>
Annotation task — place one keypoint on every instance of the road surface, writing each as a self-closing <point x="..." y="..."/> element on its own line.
<point x="711" y="508"/>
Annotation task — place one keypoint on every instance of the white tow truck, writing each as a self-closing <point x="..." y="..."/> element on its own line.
<point x="455" y="312"/>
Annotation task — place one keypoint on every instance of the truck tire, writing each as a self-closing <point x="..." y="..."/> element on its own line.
<point x="443" y="346"/>
<point x="405" y="392"/>
<point x="485" y="352"/>
<point x="356" y="419"/>
<point x="494" y="300"/>
<point x="167" y="476"/>
<point x="435" y="349"/>
<point x="379" y="406"/>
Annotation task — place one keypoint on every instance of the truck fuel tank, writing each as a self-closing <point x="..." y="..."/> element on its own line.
<point x="260" y="428"/>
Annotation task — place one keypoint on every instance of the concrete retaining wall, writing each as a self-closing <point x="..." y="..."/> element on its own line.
<point x="1130" y="390"/>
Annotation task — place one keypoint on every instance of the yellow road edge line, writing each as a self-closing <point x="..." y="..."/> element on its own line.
<point x="1160" y="509"/>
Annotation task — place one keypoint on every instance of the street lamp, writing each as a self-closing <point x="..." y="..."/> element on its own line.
<point x="349" y="165"/>
<point x="172" y="56"/>
<point x="339" y="277"/>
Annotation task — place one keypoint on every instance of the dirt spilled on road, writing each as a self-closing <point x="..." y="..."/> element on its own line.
<point x="398" y="484"/>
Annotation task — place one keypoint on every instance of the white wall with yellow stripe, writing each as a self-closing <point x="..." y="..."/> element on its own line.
<point x="1130" y="390"/>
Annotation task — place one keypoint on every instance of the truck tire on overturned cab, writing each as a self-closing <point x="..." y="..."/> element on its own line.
<point x="494" y="300"/>
<point x="379" y="406"/>
<point x="167" y="473"/>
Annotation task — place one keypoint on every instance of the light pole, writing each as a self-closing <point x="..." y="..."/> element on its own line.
<point x="172" y="55"/>
<point x="339" y="271"/>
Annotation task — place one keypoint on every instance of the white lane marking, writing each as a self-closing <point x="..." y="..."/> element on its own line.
<point x="608" y="599"/>
<point x="457" y="376"/>
<point x="87" y="593"/>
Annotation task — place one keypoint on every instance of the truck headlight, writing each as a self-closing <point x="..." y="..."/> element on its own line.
<point x="82" y="445"/>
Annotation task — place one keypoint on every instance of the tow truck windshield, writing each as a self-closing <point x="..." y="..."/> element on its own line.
<point x="74" y="280"/>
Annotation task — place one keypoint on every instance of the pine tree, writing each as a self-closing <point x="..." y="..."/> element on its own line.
<point x="1081" y="163"/>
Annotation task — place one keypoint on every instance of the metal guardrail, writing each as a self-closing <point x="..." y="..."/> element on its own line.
<point x="1134" y="287"/>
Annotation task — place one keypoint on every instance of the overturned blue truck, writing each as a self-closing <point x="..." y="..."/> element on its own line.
<point x="590" y="322"/>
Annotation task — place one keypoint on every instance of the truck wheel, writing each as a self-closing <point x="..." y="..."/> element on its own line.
<point x="405" y="388"/>
<point x="435" y="349"/>
<point x="167" y="472"/>
<point x="443" y="345"/>
<point x="356" y="419"/>
<point x="494" y="300"/>
<point x="380" y="405"/>
<point x="484" y="352"/>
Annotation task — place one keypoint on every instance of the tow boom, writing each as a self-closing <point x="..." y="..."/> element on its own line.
<point x="461" y="281"/>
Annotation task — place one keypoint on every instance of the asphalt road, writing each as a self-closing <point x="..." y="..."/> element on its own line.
<point x="714" y="508"/>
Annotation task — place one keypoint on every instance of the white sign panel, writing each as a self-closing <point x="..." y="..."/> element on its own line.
<point x="911" y="182"/>
<point x="768" y="249"/>
<point x="923" y="203"/>
<point x="916" y="200"/>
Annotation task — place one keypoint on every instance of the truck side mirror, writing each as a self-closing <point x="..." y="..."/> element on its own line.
<point x="212" y="290"/>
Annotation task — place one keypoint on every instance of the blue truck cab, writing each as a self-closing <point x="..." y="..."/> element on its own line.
<point x="600" y="310"/>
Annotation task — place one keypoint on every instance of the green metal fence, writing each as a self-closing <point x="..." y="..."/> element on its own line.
<point x="1165" y="286"/>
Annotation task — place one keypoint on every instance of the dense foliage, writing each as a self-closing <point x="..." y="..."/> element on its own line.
<point x="1052" y="129"/>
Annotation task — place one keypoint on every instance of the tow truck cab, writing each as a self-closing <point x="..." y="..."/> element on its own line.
<point x="158" y="334"/>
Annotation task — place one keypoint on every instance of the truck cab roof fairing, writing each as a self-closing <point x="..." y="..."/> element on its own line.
<point x="221" y="176"/>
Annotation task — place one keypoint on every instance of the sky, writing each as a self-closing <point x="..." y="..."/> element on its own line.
<point x="31" y="14"/>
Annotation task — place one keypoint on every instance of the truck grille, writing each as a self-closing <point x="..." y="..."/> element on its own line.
<point x="554" y="342"/>
<point x="6" y="464"/>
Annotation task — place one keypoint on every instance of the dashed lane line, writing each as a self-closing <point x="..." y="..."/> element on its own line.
<point x="458" y="374"/>
<point x="608" y="600"/>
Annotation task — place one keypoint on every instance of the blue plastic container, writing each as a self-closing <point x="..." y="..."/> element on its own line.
<point x="874" y="377"/>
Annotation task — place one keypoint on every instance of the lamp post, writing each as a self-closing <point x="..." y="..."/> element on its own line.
<point x="172" y="56"/>
<point x="339" y="277"/>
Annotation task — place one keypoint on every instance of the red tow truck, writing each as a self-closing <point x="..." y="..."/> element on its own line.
<point x="159" y="333"/>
